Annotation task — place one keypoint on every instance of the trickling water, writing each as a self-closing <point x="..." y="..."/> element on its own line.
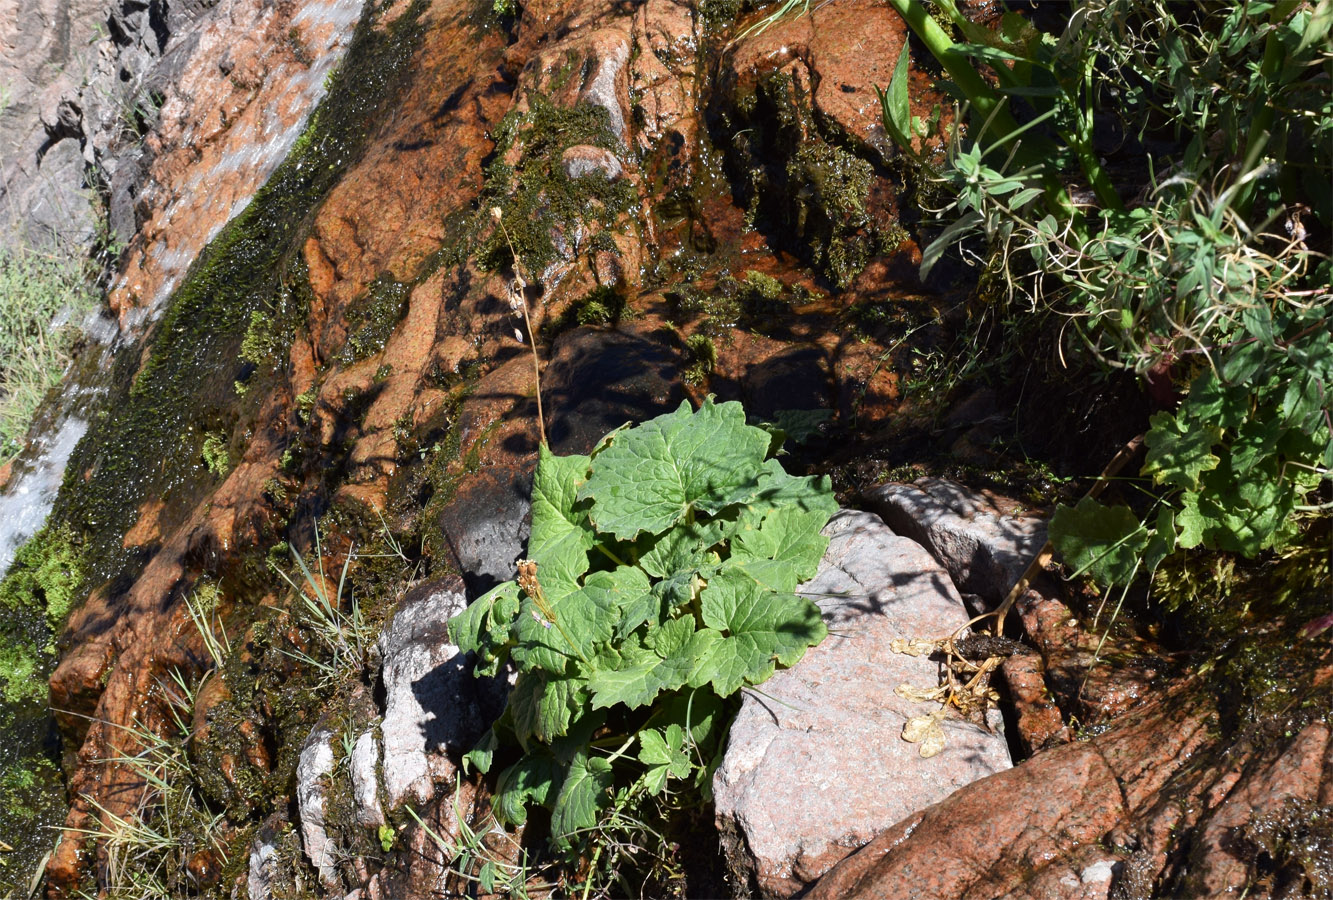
<point x="208" y="195"/>
<point x="27" y="499"/>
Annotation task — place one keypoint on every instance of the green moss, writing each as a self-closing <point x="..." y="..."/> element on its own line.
<point x="765" y="286"/>
<point x="185" y="390"/>
<point x="217" y="457"/>
<point x="828" y="188"/>
<point x="536" y="198"/>
<point x="798" y="180"/>
<point x="45" y="580"/>
<point x="755" y="302"/>
<point x="372" y="318"/>
<point x="703" y="358"/>
<point x="47" y="576"/>
<point x="719" y="14"/>
<point x="600" y="306"/>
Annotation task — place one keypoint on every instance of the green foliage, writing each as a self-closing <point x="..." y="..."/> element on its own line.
<point x="537" y="198"/>
<point x="46" y="576"/>
<point x="217" y="457"/>
<point x="1212" y="278"/>
<point x="703" y="358"/>
<point x="34" y="289"/>
<point x="662" y="580"/>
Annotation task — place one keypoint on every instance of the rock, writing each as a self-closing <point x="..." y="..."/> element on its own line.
<point x="606" y="83"/>
<point x="435" y="710"/>
<point x="259" y="879"/>
<point x="315" y="764"/>
<point x="816" y="765"/>
<point x="1040" y="724"/>
<point x="487" y="524"/>
<point x="365" y="781"/>
<point x="582" y="160"/>
<point x="977" y="538"/>
<point x="598" y="380"/>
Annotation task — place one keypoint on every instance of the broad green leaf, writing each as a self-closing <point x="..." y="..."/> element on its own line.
<point x="617" y="589"/>
<point x="483" y="628"/>
<point x="524" y="705"/>
<point x="640" y="674"/>
<point x="583" y="795"/>
<point x="482" y="756"/>
<point x="795" y="425"/>
<point x="1191" y="522"/>
<point x="1103" y="541"/>
<point x="543" y="705"/>
<point x="790" y="537"/>
<point x="533" y="779"/>
<point x="1245" y="514"/>
<point x="653" y="476"/>
<point x="683" y="548"/>
<point x="665" y="755"/>
<point x="757" y="630"/>
<point x="812" y="493"/>
<point x="652" y="607"/>
<point x="672" y="638"/>
<point x="1254" y="444"/>
<point x="569" y="628"/>
<point x="581" y="730"/>
<point x="561" y="534"/>
<point x="1178" y="451"/>
<point x="1209" y="400"/>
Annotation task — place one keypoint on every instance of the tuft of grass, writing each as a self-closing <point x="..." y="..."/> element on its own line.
<point x="36" y="291"/>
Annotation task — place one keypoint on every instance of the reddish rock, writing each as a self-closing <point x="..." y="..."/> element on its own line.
<point x="227" y="132"/>
<point x="581" y="161"/>
<point x="1029" y="819"/>
<point x="1040" y="724"/>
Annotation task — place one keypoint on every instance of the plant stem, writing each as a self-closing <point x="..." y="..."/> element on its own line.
<point x="536" y="373"/>
<point x="1261" y="126"/>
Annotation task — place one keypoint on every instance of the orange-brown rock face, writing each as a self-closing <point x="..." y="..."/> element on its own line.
<point x="386" y="373"/>
<point x="238" y="107"/>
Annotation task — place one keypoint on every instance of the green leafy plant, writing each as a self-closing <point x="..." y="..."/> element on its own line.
<point x="1215" y="278"/>
<point x="662" y="580"/>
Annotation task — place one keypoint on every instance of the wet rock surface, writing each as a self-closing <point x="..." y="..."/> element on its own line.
<point x="815" y="764"/>
<point x="597" y="381"/>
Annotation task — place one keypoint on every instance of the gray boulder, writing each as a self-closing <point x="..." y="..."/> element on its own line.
<point x="435" y="709"/>
<point x="816" y="765"/>
<point x="313" y="768"/>
<point x="979" y="539"/>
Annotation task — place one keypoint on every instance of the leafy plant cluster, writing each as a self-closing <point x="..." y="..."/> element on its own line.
<point x="662" y="580"/>
<point x="1215" y="278"/>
